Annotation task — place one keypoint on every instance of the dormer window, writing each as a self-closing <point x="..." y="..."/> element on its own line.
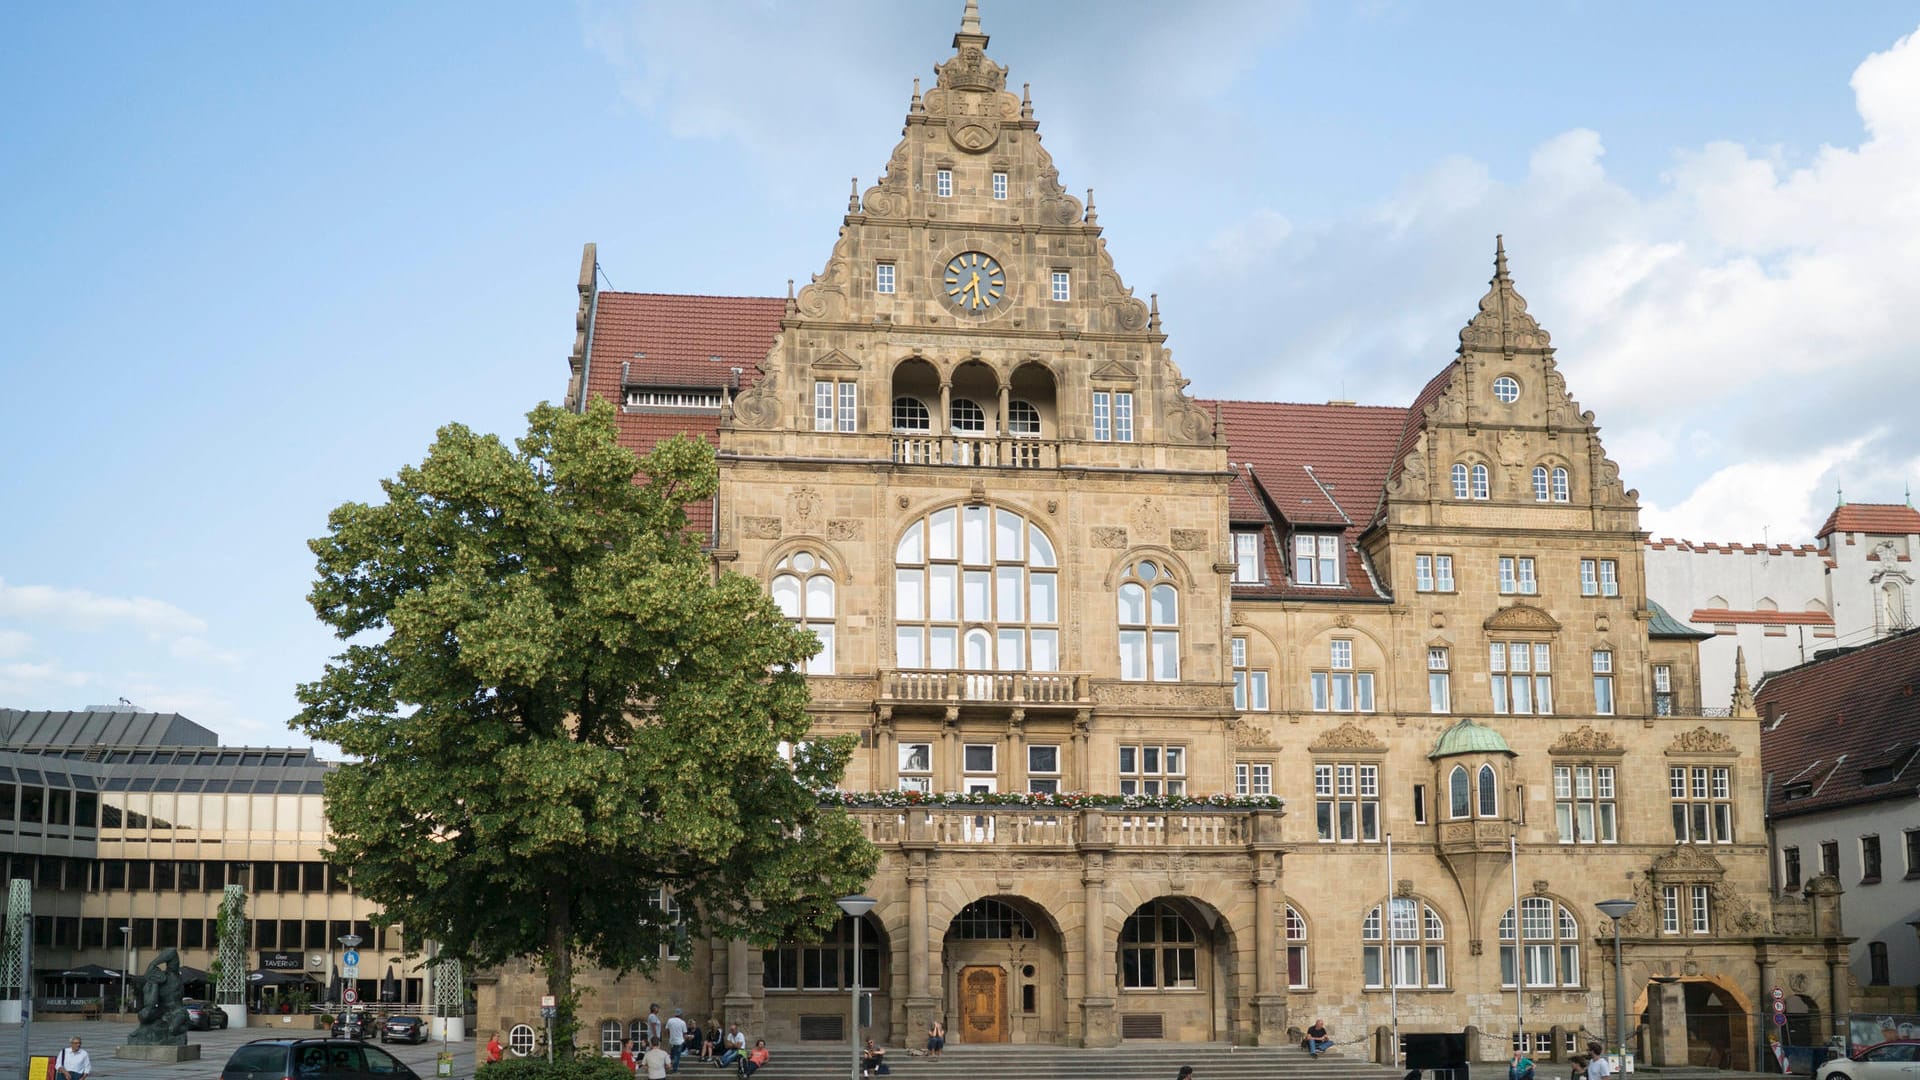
<point x="1246" y="557"/>
<point x="1316" y="559"/>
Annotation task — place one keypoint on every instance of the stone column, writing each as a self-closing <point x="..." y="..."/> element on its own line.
<point x="1765" y="1029"/>
<point x="948" y="775"/>
<point x="1013" y="771"/>
<point x="922" y="1005"/>
<point x="946" y="410"/>
<point x="1097" y="1027"/>
<point x="886" y="765"/>
<point x="1269" y="985"/>
<point x="1667" y="1023"/>
<point x="738" y="1005"/>
<point x="1082" y="725"/>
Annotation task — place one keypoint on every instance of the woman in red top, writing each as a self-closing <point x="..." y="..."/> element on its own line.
<point x="626" y="1056"/>
<point x="494" y="1051"/>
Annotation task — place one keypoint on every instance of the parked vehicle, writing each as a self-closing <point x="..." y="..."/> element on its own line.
<point x="204" y="1016"/>
<point x="335" y="1059"/>
<point x="1898" y="1059"/>
<point x="406" y="1029"/>
<point x="352" y="1025"/>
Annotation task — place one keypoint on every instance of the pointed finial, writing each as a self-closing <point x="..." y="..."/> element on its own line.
<point x="1839" y="495"/>
<point x="1500" y="258"/>
<point x="1026" y="101"/>
<point x="1909" y="493"/>
<point x="1742" y="693"/>
<point x="970" y="18"/>
<point x="1093" y="216"/>
<point x="915" y="106"/>
<point x="792" y="306"/>
<point x="853" y="197"/>
<point x="1153" y="312"/>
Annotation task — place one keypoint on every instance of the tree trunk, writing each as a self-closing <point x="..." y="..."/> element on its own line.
<point x="559" y="963"/>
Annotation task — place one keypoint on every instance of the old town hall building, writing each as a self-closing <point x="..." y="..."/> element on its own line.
<point x="964" y="457"/>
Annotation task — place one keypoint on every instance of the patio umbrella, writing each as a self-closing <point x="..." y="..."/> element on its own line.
<point x="390" y="986"/>
<point x="88" y="973"/>
<point x="192" y="974"/>
<point x="276" y="978"/>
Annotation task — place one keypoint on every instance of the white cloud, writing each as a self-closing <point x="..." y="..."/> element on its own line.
<point x="78" y="609"/>
<point x="26" y="680"/>
<point x="14" y="642"/>
<point x="1742" y="332"/>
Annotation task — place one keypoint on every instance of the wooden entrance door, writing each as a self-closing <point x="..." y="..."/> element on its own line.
<point x="983" y="1004"/>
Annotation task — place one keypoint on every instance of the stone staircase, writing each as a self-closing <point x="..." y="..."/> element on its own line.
<point x="1131" y="1061"/>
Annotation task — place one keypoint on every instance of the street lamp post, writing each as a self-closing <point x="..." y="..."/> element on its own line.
<point x="126" y="957"/>
<point x="856" y="908"/>
<point x="1617" y="910"/>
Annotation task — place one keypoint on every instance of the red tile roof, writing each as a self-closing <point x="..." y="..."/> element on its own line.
<point x="1319" y="466"/>
<point x="1843" y="729"/>
<point x="1416" y="417"/>
<point x="1765" y="618"/>
<point x="1880" y="518"/>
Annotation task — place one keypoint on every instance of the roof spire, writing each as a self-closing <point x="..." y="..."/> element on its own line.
<point x="853" y="197"/>
<point x="1026" y="101"/>
<point x="1839" y="494"/>
<point x="1502" y="322"/>
<point x="1093" y="216"/>
<point x="970" y="18"/>
<point x="1500" y="259"/>
<point x="916" y="106"/>
<point x="1742" y="693"/>
<point x="1153" y="313"/>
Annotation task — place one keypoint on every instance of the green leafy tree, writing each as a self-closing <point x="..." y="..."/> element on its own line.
<point x="557" y="708"/>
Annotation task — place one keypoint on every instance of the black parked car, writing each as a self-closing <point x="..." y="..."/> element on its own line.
<point x="202" y="1016"/>
<point x="352" y="1025"/>
<point x="331" y="1059"/>
<point x="406" y="1029"/>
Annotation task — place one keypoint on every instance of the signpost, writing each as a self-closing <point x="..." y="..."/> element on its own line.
<point x="549" y="1008"/>
<point x="350" y="996"/>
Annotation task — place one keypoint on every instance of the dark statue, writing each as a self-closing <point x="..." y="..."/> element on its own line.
<point x="163" y="1019"/>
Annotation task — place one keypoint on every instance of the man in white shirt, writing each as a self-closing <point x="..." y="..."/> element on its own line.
<point x="676" y="1038"/>
<point x="73" y="1063"/>
<point x="655" y="1061"/>
<point x="1598" y="1067"/>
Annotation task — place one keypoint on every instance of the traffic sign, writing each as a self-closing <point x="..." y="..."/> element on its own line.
<point x="350" y="958"/>
<point x="1779" y="1008"/>
<point x="547" y="1001"/>
<point x="350" y="996"/>
<point x="1779" y="994"/>
<point x="1780" y="1019"/>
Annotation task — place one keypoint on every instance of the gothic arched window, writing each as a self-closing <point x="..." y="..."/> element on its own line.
<point x="1149" y="624"/>
<point x="1489" y="793"/>
<point x="1459" y="793"/>
<point x="803" y="590"/>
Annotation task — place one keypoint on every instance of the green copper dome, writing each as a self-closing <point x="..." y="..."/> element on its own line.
<point x="1467" y="737"/>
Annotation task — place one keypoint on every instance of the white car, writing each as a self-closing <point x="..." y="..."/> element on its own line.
<point x="1897" y="1060"/>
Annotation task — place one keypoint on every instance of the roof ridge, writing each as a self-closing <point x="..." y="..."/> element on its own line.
<point x="693" y="296"/>
<point x="1300" y="404"/>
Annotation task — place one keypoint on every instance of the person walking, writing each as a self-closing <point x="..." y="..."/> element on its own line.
<point x="626" y="1056"/>
<point x="494" y="1050"/>
<point x="73" y="1062"/>
<point x="1598" y="1067"/>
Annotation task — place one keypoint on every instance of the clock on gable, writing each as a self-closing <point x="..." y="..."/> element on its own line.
<point x="974" y="282"/>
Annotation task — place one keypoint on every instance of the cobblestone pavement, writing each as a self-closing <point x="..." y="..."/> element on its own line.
<point x="101" y="1036"/>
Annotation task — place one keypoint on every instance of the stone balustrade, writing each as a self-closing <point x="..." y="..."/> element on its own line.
<point x="1055" y="827"/>
<point x="997" y="687"/>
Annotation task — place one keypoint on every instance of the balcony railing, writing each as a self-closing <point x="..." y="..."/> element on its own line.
<point x="985" y="687"/>
<point x="1005" y="826"/>
<point x="996" y="451"/>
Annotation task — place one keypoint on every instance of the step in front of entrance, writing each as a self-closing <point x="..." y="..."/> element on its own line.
<point x="1131" y="1061"/>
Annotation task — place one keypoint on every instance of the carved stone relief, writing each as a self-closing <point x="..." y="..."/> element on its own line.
<point x="1189" y="539"/>
<point x="1108" y="537"/>
<point x="846" y="529"/>
<point x="1700" y="741"/>
<point x="760" y="528"/>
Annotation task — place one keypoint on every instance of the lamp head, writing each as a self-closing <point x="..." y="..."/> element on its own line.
<point x="856" y="906"/>
<point x="1616" y="909"/>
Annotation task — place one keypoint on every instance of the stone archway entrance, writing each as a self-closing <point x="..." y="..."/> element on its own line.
<point x="1005" y="973"/>
<point x="1716" y="1026"/>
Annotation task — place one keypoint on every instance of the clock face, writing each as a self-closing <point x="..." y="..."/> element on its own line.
<point x="974" y="282"/>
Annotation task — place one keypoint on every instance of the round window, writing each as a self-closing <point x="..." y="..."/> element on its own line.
<point x="1027" y="971"/>
<point x="1507" y="389"/>
<point x="520" y="1040"/>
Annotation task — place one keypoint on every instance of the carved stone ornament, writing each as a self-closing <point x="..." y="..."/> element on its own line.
<point x="1348" y="736"/>
<point x="1732" y="914"/>
<point x="1700" y="741"/>
<point x="1164" y="694"/>
<point x="1512" y="449"/>
<point x="846" y="529"/>
<point x="1522" y="617"/>
<point x="802" y="505"/>
<point x="1584" y="740"/>
<point x="756" y="406"/>
<point x="760" y="528"/>
<point x="1403" y="888"/>
<point x="1148" y="518"/>
<point x="831" y="689"/>
<point x="1189" y="539"/>
<point x="1343" y="621"/>
<point x="1053" y="506"/>
<point x="902" y="502"/>
<point x="1687" y="863"/>
<point x="1108" y="537"/>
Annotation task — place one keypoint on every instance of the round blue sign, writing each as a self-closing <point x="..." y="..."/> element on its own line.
<point x="350" y="958"/>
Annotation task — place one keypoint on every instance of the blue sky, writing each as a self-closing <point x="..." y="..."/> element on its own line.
<point x="252" y="255"/>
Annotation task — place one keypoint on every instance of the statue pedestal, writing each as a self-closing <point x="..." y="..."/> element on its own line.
<point x="148" y="1052"/>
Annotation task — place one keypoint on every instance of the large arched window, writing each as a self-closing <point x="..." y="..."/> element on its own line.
<point x="1549" y="946"/>
<point x="988" y="919"/>
<point x="1489" y="793"/>
<point x="976" y="587"/>
<point x="1296" y="950"/>
<point x="1159" y="949"/>
<point x="1149" y="624"/>
<point x="803" y="591"/>
<point x="1459" y="793"/>
<point x="1416" y="952"/>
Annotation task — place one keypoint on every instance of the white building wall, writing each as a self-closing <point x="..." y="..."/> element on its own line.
<point x="1867" y="568"/>
<point x="1871" y="912"/>
<point x="1684" y="577"/>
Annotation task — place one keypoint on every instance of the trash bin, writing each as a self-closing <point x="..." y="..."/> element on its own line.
<point x="443" y="1064"/>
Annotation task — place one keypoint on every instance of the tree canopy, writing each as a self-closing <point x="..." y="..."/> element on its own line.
<point x="557" y="709"/>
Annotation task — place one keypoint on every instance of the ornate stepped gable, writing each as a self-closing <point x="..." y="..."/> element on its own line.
<point x="1459" y="415"/>
<point x="970" y="127"/>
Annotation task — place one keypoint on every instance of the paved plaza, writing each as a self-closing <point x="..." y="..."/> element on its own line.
<point x="100" y="1037"/>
